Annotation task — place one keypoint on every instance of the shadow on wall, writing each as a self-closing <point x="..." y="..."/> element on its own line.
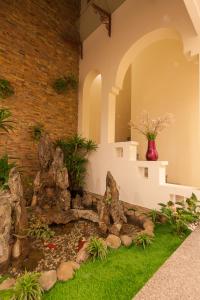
<point x="91" y="117"/>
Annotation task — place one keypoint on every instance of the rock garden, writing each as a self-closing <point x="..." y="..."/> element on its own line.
<point x="66" y="226"/>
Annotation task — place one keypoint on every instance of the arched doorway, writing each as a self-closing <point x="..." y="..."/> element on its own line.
<point x="91" y="110"/>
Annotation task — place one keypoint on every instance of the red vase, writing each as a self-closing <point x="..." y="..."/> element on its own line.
<point x="152" y="153"/>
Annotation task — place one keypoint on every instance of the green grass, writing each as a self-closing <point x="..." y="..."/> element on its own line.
<point x="121" y="275"/>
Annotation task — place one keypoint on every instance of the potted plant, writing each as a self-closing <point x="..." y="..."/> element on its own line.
<point x="150" y="128"/>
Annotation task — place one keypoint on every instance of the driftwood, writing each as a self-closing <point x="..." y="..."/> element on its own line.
<point x="111" y="213"/>
<point x="13" y="218"/>
<point x="51" y="182"/>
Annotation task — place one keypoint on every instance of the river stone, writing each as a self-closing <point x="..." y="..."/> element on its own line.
<point x="126" y="240"/>
<point x="65" y="271"/>
<point x="7" y="284"/>
<point x="48" y="279"/>
<point x="113" y="241"/>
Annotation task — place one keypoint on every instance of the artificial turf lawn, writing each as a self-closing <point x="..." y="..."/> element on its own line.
<point x="121" y="275"/>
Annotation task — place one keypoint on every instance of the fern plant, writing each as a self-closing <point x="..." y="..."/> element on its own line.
<point x="37" y="131"/>
<point x="6" y="90"/>
<point x="6" y="123"/>
<point x="5" y="168"/>
<point x="97" y="249"/>
<point x="143" y="240"/>
<point x="65" y="83"/>
<point x="76" y="150"/>
<point x="27" y="287"/>
<point x="40" y="231"/>
<point x="154" y="215"/>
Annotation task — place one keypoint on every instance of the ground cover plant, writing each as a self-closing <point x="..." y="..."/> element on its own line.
<point x="97" y="249"/>
<point x="181" y="214"/>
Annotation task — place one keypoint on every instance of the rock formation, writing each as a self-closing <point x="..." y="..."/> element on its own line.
<point x="13" y="220"/>
<point x="51" y="182"/>
<point x="111" y="213"/>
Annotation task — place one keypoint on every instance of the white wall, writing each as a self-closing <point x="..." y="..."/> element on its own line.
<point x="164" y="80"/>
<point x="135" y="25"/>
<point x="94" y="113"/>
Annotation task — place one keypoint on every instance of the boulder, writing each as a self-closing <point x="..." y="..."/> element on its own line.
<point x="48" y="279"/>
<point x="126" y="240"/>
<point x="7" y="284"/>
<point x="113" y="241"/>
<point x="13" y="218"/>
<point x="66" y="270"/>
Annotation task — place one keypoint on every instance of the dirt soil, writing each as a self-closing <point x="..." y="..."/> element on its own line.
<point x="47" y="255"/>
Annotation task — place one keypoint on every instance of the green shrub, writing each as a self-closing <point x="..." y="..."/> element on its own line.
<point x="39" y="230"/>
<point x="6" y="90"/>
<point x="65" y="83"/>
<point x="37" y="131"/>
<point x="5" y="120"/>
<point x="181" y="214"/>
<point x="5" y="168"/>
<point x="97" y="248"/>
<point x="27" y="287"/>
<point x="75" y="151"/>
<point x="154" y="215"/>
<point x="143" y="240"/>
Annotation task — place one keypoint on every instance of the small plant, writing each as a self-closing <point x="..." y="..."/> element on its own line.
<point x="65" y="83"/>
<point x="154" y="215"/>
<point x="37" y="131"/>
<point x="3" y="277"/>
<point x="5" y="120"/>
<point x="97" y="249"/>
<point x="27" y="287"/>
<point x="6" y="90"/>
<point x="143" y="240"/>
<point x="39" y="230"/>
<point x="76" y="150"/>
<point x="181" y="214"/>
<point x="5" y="168"/>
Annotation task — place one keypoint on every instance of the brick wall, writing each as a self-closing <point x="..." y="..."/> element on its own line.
<point x="32" y="54"/>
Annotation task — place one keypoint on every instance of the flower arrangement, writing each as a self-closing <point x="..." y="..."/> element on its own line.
<point x="149" y="127"/>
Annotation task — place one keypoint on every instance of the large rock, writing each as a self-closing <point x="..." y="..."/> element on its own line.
<point x="110" y="208"/>
<point x="7" y="284"/>
<point x="113" y="241"/>
<point x="51" y="182"/>
<point x="48" y="279"/>
<point x="13" y="222"/>
<point x="126" y="240"/>
<point x="66" y="270"/>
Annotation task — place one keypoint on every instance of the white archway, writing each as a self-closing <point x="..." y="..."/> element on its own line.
<point x="126" y="61"/>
